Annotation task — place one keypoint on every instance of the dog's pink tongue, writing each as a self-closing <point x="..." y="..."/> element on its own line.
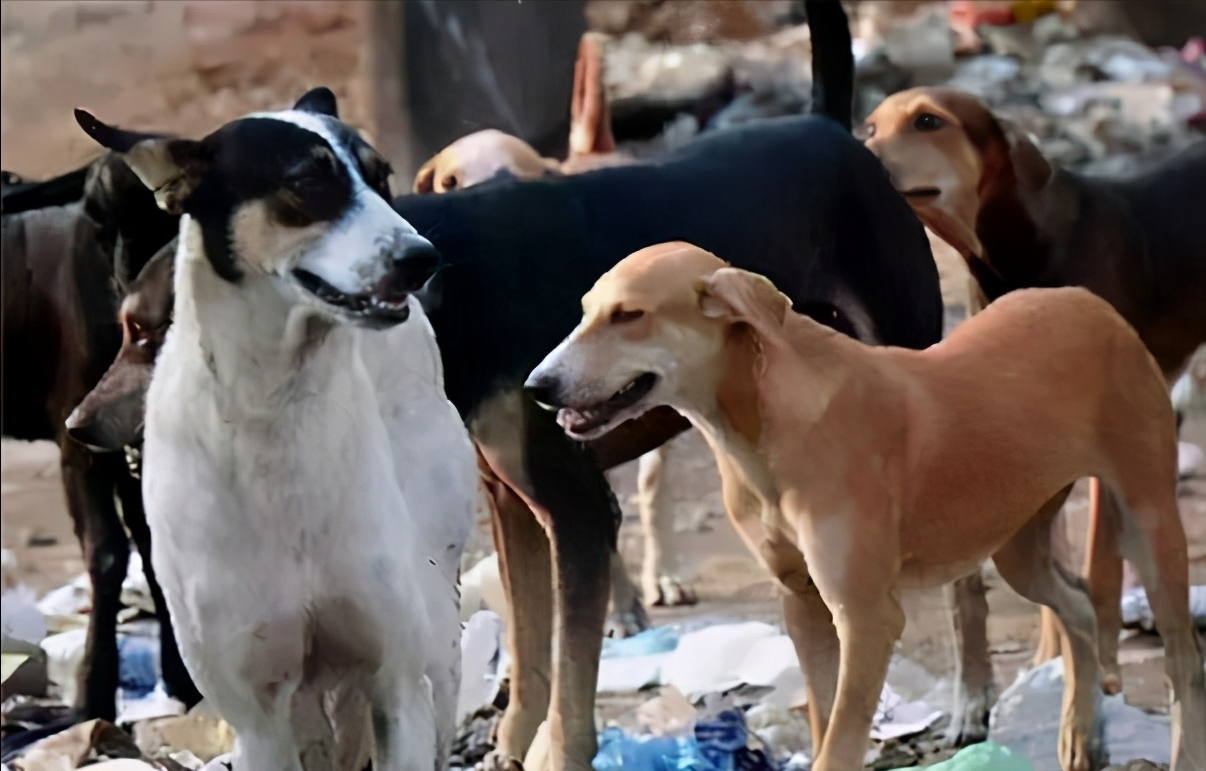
<point x="573" y="421"/>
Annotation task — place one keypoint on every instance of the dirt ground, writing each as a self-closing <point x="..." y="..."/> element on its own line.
<point x="36" y="527"/>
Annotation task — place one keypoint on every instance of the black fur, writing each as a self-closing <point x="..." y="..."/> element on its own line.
<point x="796" y="199"/>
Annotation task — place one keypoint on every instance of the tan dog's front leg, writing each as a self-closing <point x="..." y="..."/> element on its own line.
<point x="810" y="626"/>
<point x="856" y="575"/>
<point x="975" y="694"/>
<point x="868" y="633"/>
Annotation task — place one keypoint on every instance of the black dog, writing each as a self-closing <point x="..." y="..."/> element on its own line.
<point x="71" y="246"/>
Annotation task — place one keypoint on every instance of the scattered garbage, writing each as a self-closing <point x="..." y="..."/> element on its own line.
<point x="1026" y="719"/>
<point x="1137" y="611"/>
<point x="717" y="743"/>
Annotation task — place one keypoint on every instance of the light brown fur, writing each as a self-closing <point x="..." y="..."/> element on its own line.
<point x="856" y="471"/>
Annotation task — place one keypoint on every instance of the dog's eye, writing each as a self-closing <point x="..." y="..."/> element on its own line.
<point x="865" y="132"/>
<point x="449" y="182"/>
<point x="927" y="121"/>
<point x="621" y="316"/>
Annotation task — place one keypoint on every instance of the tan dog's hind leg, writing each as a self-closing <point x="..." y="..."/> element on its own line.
<point x="1103" y="571"/>
<point x="810" y="626"/>
<point x="975" y="693"/>
<point x="1153" y="540"/>
<point x="1027" y="564"/>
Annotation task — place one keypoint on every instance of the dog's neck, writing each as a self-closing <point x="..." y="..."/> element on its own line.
<point x="257" y="345"/>
<point x="730" y="417"/>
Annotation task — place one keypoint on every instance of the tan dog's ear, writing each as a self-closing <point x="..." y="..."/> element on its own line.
<point x="1033" y="171"/>
<point x="736" y="295"/>
<point x="425" y="179"/>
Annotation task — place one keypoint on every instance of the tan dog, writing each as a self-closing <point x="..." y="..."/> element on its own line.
<point x="856" y="471"/>
<point x="1018" y="221"/>
<point x="482" y="155"/>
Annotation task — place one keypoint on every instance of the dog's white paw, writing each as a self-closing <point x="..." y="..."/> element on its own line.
<point x="969" y="716"/>
<point x="499" y="761"/>
<point x="671" y="592"/>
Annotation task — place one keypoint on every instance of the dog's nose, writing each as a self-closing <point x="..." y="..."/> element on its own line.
<point x="545" y="390"/>
<point x="413" y="265"/>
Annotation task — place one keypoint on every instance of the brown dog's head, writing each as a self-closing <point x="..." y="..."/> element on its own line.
<point x="478" y="157"/>
<point x="110" y="416"/>
<point x="653" y="333"/>
<point x="946" y="152"/>
<point x="482" y="155"/>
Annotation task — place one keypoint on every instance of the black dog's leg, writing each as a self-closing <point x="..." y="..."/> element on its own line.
<point x="175" y="676"/>
<point x="561" y="483"/>
<point x="583" y="520"/>
<point x="89" y="483"/>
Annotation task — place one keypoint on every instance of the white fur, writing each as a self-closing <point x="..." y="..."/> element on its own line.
<point x="310" y="490"/>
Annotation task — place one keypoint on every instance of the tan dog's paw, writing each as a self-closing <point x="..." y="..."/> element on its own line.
<point x="498" y="761"/>
<point x="1080" y="749"/>
<point x="671" y="592"/>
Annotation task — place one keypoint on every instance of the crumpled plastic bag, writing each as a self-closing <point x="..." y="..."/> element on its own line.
<point x="986" y="756"/>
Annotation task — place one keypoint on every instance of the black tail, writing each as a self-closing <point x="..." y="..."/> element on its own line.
<point x="832" y="61"/>
<point x="60" y="191"/>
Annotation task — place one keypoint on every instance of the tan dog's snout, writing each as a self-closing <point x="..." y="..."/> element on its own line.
<point x="653" y="329"/>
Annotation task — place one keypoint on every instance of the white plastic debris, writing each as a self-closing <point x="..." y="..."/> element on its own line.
<point x="895" y="717"/>
<point x="481" y="655"/>
<point x="21" y="619"/>
<point x="1190" y="460"/>
<point x="1137" y="610"/>
<point x="64" y="655"/>
<point x="708" y="660"/>
<point x="482" y="589"/>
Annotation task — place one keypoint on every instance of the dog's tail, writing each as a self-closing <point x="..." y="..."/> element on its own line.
<point x="832" y="61"/>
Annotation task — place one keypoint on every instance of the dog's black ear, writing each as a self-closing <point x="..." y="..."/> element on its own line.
<point x="169" y="166"/>
<point x="320" y="100"/>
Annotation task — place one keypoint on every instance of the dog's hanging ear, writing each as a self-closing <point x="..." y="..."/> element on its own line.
<point x="1032" y="170"/>
<point x="319" y="100"/>
<point x="169" y="166"/>
<point x="735" y="295"/>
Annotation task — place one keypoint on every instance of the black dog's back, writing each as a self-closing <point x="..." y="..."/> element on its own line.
<point x="796" y="199"/>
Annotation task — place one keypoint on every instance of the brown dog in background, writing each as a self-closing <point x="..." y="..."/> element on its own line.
<point x="1018" y="221"/>
<point x="907" y="445"/>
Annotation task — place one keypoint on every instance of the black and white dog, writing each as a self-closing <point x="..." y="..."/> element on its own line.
<point x="308" y="485"/>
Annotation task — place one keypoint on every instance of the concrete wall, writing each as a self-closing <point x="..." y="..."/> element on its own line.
<point x="181" y="66"/>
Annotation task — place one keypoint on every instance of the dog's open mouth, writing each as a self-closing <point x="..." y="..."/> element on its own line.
<point x="921" y="195"/>
<point x="366" y="304"/>
<point x="584" y="420"/>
